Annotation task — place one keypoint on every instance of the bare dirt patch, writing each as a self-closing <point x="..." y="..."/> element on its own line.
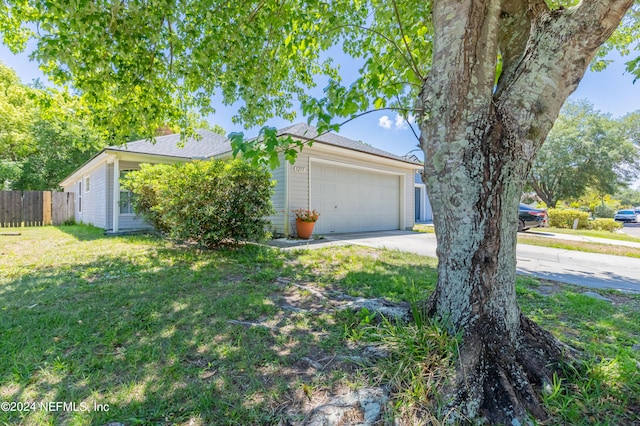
<point x="315" y="398"/>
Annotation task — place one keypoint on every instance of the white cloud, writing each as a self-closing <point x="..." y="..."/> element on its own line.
<point x="385" y="122"/>
<point x="401" y="123"/>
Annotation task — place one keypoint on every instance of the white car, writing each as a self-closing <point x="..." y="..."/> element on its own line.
<point x="627" y="215"/>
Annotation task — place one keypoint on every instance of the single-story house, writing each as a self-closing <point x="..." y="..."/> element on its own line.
<point x="354" y="186"/>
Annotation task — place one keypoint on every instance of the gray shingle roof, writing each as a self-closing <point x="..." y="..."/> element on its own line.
<point x="304" y="131"/>
<point x="210" y="145"/>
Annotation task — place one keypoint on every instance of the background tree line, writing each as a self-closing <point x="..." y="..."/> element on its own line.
<point x="45" y="134"/>
<point x="587" y="158"/>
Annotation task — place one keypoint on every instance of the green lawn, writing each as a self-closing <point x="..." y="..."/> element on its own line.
<point x="589" y="247"/>
<point x="160" y="334"/>
<point x="531" y="238"/>
<point x="588" y="233"/>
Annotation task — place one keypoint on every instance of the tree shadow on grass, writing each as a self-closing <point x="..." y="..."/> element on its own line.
<point x="149" y="336"/>
<point x="148" y="339"/>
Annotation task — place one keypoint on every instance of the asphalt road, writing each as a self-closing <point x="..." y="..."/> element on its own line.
<point x="568" y="266"/>
<point x="632" y="229"/>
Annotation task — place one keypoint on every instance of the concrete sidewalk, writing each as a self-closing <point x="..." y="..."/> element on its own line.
<point x="574" y="267"/>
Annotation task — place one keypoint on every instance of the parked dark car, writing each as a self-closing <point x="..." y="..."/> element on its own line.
<point x="530" y="217"/>
<point x="627" y="215"/>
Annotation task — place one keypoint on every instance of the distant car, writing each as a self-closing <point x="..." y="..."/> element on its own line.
<point x="530" y="217"/>
<point x="627" y="215"/>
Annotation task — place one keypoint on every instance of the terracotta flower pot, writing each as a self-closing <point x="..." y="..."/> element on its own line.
<point x="304" y="229"/>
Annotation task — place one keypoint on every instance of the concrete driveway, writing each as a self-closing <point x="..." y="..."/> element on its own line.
<point x="574" y="267"/>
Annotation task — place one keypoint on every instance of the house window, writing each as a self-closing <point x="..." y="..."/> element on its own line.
<point x="126" y="207"/>
<point x="87" y="183"/>
<point x="80" y="196"/>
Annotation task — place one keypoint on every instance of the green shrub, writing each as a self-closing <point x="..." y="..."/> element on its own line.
<point x="146" y="184"/>
<point x="564" y="218"/>
<point x="206" y="202"/>
<point x="604" y="211"/>
<point x="605" y="225"/>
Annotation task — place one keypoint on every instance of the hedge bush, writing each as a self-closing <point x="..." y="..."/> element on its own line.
<point x="605" y="225"/>
<point x="564" y="218"/>
<point x="145" y="185"/>
<point x="205" y="202"/>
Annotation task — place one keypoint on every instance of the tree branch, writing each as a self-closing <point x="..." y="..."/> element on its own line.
<point x="409" y="60"/>
<point x="353" y="117"/>
<point x="404" y="40"/>
<point x="561" y="45"/>
<point x="600" y="18"/>
<point x="516" y="21"/>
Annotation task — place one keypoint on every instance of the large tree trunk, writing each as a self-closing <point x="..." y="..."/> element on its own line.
<point x="479" y="141"/>
<point x="504" y="358"/>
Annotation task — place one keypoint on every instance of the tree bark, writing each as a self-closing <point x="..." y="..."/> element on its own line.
<point x="479" y="141"/>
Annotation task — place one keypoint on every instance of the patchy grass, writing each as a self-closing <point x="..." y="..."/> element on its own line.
<point x="420" y="227"/>
<point x="170" y="335"/>
<point x="604" y="388"/>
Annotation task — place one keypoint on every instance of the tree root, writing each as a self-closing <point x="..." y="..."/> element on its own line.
<point x="500" y="383"/>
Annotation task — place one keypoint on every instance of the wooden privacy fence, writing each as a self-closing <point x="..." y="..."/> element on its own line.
<point x="35" y="208"/>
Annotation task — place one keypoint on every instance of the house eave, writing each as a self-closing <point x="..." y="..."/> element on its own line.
<point x="351" y="149"/>
<point x="89" y="165"/>
<point x="369" y="156"/>
<point x="107" y="155"/>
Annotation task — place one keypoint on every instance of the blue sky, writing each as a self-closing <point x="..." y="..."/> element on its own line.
<point x="611" y="91"/>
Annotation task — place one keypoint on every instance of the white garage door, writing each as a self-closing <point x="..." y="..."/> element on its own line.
<point x="354" y="200"/>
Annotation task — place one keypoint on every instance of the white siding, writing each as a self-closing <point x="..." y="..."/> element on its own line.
<point x="93" y="201"/>
<point x="109" y="200"/>
<point x="125" y="221"/>
<point x="279" y="197"/>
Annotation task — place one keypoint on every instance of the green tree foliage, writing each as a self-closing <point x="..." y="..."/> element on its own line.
<point x="205" y="202"/>
<point x="44" y="134"/>
<point x="16" y="109"/>
<point x="16" y="114"/>
<point x="585" y="149"/>
<point x="64" y="139"/>
<point x="629" y="197"/>
<point x="631" y="126"/>
<point x="600" y="205"/>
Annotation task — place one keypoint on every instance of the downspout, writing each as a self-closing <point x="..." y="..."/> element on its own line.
<point x="116" y="193"/>
<point x="286" y="200"/>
